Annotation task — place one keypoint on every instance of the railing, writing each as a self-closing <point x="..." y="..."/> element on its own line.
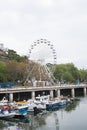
<point x="30" y="89"/>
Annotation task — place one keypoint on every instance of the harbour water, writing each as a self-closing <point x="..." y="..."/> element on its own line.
<point x="72" y="117"/>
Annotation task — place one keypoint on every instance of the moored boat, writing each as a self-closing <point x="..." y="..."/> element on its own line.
<point x="61" y="101"/>
<point x="7" y="112"/>
<point x="4" y="101"/>
<point x="57" y="103"/>
<point x="51" y="105"/>
<point x="21" y="108"/>
<point x="41" y="101"/>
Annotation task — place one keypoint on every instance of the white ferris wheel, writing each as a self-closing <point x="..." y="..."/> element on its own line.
<point x="42" y="52"/>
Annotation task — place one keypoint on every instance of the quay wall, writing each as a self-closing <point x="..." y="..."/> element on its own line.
<point x="32" y="92"/>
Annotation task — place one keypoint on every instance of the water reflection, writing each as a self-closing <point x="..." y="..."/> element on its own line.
<point x="36" y="122"/>
<point x="33" y="123"/>
<point x="53" y="120"/>
<point x="72" y="106"/>
<point x="56" y="121"/>
<point x="12" y="124"/>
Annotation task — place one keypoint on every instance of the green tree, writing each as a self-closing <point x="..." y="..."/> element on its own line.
<point x="83" y="75"/>
<point x="66" y="72"/>
<point x="12" y="55"/>
<point x="3" y="72"/>
<point x="73" y="70"/>
<point x="16" y="71"/>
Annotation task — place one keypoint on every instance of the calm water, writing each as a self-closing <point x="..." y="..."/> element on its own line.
<point x="73" y="117"/>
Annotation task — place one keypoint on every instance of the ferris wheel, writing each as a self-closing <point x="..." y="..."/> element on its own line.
<point x="43" y="53"/>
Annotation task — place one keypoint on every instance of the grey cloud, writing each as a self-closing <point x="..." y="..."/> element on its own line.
<point x="64" y="22"/>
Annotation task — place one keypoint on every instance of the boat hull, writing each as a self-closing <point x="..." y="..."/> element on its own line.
<point x="7" y="115"/>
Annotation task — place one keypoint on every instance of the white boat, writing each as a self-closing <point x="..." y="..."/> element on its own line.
<point x="4" y="101"/>
<point x="31" y="105"/>
<point x="41" y="101"/>
<point x="6" y="112"/>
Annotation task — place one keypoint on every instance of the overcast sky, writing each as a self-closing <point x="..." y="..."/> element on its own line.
<point x="63" y="22"/>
